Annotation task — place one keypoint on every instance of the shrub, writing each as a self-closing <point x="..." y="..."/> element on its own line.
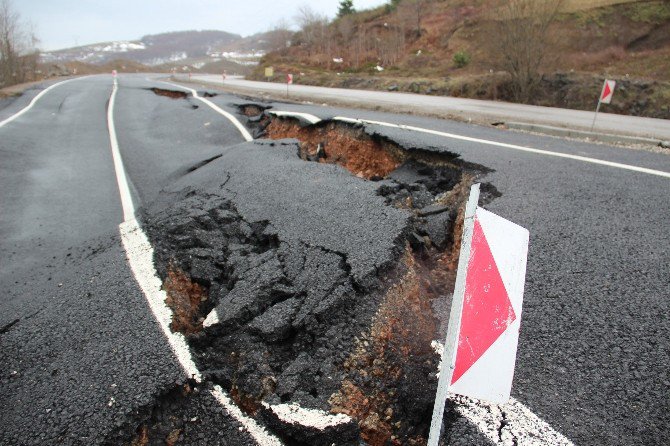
<point x="461" y="59"/>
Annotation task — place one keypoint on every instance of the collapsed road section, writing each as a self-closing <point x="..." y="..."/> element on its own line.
<point x="310" y="270"/>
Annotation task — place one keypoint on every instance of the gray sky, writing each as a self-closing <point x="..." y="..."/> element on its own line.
<point x="64" y="23"/>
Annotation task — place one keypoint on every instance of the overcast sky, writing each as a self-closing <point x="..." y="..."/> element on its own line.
<point x="66" y="23"/>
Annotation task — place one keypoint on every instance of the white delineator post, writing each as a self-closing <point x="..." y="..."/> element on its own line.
<point x="448" y="354"/>
<point x="480" y="347"/>
<point x="605" y="98"/>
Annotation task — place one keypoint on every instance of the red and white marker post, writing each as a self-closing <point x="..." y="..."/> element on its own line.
<point x="605" y="98"/>
<point x="480" y="347"/>
<point x="289" y="81"/>
<point x="114" y="74"/>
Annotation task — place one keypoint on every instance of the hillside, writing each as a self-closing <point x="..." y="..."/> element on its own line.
<point x="450" y="47"/>
<point x="149" y="50"/>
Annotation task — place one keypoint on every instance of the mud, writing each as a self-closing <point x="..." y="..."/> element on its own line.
<point x="187" y="299"/>
<point x="293" y="324"/>
<point x="172" y="94"/>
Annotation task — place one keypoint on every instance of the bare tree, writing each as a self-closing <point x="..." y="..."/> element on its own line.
<point x="281" y="35"/>
<point x="314" y="30"/>
<point x="18" y="57"/>
<point x="411" y="13"/>
<point x="522" y="41"/>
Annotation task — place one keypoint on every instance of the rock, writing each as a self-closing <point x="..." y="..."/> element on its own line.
<point x="437" y="228"/>
<point x="393" y="88"/>
<point x="416" y="241"/>
<point x="433" y="209"/>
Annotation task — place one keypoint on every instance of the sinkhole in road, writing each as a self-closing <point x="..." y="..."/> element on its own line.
<point x="173" y="94"/>
<point x="281" y="322"/>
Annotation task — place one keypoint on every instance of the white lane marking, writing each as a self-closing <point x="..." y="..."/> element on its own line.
<point x="317" y="419"/>
<point x="521" y="426"/>
<point x="140" y="256"/>
<point x="121" y="180"/>
<point x="34" y="101"/>
<point x="520" y="422"/>
<point x="306" y="116"/>
<point x="585" y="159"/>
<point x="245" y="133"/>
<point x="259" y="434"/>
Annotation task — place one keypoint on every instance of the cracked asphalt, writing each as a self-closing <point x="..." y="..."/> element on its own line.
<point x="83" y="359"/>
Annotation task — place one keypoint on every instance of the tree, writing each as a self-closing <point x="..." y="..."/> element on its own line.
<point x="346" y="8"/>
<point x="314" y="31"/>
<point x="522" y="41"/>
<point x="17" y="47"/>
<point x="280" y="36"/>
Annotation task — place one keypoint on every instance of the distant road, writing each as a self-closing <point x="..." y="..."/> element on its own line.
<point x="477" y="109"/>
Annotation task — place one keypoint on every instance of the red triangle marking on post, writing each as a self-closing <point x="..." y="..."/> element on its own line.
<point x="606" y="91"/>
<point x="487" y="310"/>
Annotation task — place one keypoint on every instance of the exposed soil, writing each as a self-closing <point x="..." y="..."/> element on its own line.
<point x="173" y="94"/>
<point x="336" y="144"/>
<point x="186" y="299"/>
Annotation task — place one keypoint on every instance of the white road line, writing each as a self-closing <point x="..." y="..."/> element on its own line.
<point x="293" y="413"/>
<point x="121" y="180"/>
<point x="34" y="101"/>
<point x="306" y="116"/>
<point x="140" y="256"/>
<point x="510" y="146"/>
<point x="261" y="436"/>
<point x="521" y="426"/>
<point x="585" y="159"/>
<point x="243" y="130"/>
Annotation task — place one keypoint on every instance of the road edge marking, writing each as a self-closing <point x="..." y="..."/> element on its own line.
<point x="119" y="170"/>
<point x="35" y="99"/>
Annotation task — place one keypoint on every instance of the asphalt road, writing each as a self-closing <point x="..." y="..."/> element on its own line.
<point x="461" y="107"/>
<point x="84" y="361"/>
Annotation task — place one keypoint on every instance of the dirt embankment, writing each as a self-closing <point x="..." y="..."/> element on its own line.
<point x="449" y="49"/>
